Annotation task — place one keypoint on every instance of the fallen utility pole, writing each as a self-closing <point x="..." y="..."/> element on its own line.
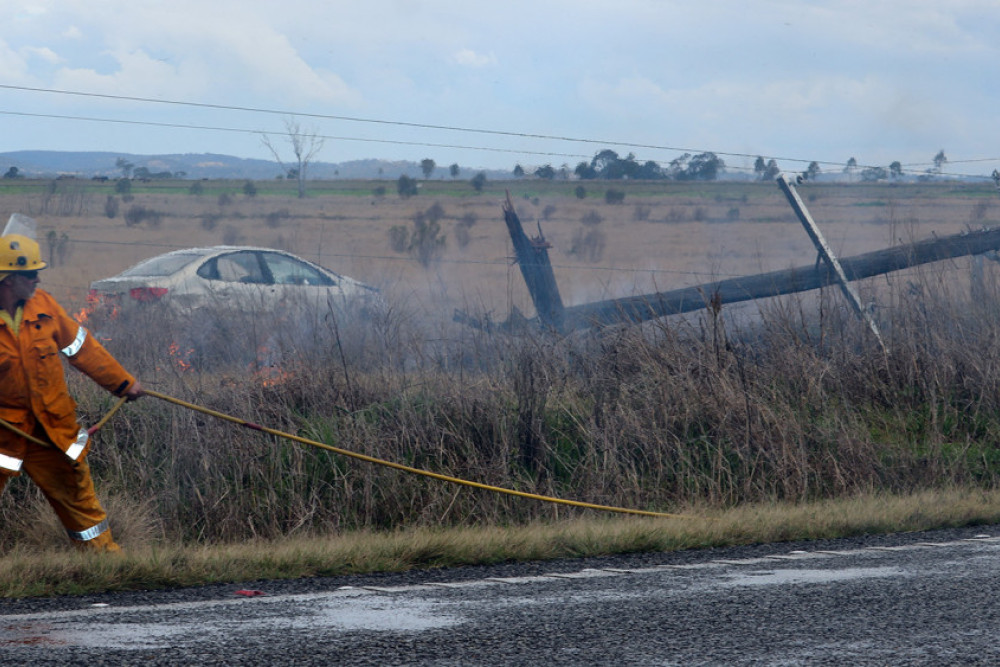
<point x="642" y="308"/>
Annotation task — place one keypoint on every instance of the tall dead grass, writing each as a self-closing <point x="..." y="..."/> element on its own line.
<point x="795" y="402"/>
<point x="785" y="400"/>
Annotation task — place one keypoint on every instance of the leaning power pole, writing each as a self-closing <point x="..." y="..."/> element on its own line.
<point x="827" y="256"/>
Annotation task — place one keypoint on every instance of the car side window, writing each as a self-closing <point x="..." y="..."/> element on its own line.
<point x="237" y="267"/>
<point x="290" y="271"/>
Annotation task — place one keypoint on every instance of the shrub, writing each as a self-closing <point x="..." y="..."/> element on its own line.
<point x="111" y="207"/>
<point x="138" y="214"/>
<point x="591" y="219"/>
<point x="196" y="188"/>
<point x="478" y="181"/>
<point x="580" y="192"/>
<point x="426" y="241"/>
<point x="59" y="246"/>
<point x="676" y="215"/>
<point x="249" y="189"/>
<point x="463" y="235"/>
<point x="435" y="212"/>
<point x="275" y="218"/>
<point x="614" y="196"/>
<point x="979" y="211"/>
<point x="406" y="186"/>
<point x="588" y="244"/>
<point x="231" y="235"/>
<point x="399" y="238"/>
<point x="210" y="221"/>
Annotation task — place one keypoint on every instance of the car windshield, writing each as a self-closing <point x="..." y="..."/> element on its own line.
<point x="164" y="265"/>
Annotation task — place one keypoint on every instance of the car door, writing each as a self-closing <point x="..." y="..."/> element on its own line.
<point x="238" y="280"/>
<point x="302" y="287"/>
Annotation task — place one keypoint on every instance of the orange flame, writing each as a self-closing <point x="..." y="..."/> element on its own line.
<point x="266" y="371"/>
<point x="180" y="357"/>
<point x="93" y="304"/>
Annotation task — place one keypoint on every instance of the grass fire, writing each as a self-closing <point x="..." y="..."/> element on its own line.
<point x="785" y="400"/>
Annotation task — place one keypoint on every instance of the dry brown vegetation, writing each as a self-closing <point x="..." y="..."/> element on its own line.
<point x="789" y="399"/>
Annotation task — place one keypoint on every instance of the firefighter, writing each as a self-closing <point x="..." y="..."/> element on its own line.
<point x="34" y="332"/>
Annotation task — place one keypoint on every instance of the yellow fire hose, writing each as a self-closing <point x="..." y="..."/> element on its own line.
<point x="90" y="431"/>
<point x="405" y="468"/>
<point x="369" y="459"/>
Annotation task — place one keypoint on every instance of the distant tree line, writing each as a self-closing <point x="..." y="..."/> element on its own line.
<point x="608" y="165"/>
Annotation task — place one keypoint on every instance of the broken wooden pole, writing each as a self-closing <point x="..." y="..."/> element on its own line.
<point x="533" y="258"/>
<point x="789" y="281"/>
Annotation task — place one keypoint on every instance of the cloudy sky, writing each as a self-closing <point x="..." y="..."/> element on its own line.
<point x="504" y="83"/>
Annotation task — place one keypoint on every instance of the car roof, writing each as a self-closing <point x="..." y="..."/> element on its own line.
<point x="208" y="250"/>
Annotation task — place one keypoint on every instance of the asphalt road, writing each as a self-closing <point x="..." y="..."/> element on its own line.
<point x="913" y="599"/>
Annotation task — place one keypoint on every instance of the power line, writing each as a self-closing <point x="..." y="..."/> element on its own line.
<point x="409" y="124"/>
<point x="185" y="126"/>
<point x="397" y="123"/>
<point x="398" y="142"/>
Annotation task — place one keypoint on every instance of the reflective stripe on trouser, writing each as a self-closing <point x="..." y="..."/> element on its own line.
<point x="78" y="445"/>
<point x="10" y="463"/>
<point x="90" y="533"/>
<point x="68" y="487"/>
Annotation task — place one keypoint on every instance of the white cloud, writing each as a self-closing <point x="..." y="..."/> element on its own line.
<point x="43" y="53"/>
<point x="11" y="63"/>
<point x="137" y="73"/>
<point x="825" y="79"/>
<point x="469" y="58"/>
<point x="782" y="101"/>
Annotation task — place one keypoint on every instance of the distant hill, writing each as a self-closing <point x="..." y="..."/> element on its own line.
<point x="50" y="164"/>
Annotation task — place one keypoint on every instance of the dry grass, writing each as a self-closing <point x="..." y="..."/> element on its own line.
<point x="785" y="401"/>
<point x="29" y="572"/>
<point x="344" y="226"/>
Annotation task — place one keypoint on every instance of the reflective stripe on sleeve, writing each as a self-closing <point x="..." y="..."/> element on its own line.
<point x="10" y="463"/>
<point x="74" y="347"/>
<point x="76" y="448"/>
<point x="90" y="533"/>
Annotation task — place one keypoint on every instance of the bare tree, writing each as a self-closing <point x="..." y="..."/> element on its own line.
<point x="305" y="145"/>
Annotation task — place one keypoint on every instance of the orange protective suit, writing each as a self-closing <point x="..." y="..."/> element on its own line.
<point x="35" y="399"/>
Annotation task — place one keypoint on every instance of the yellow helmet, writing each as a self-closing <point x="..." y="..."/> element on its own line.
<point x="19" y="253"/>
